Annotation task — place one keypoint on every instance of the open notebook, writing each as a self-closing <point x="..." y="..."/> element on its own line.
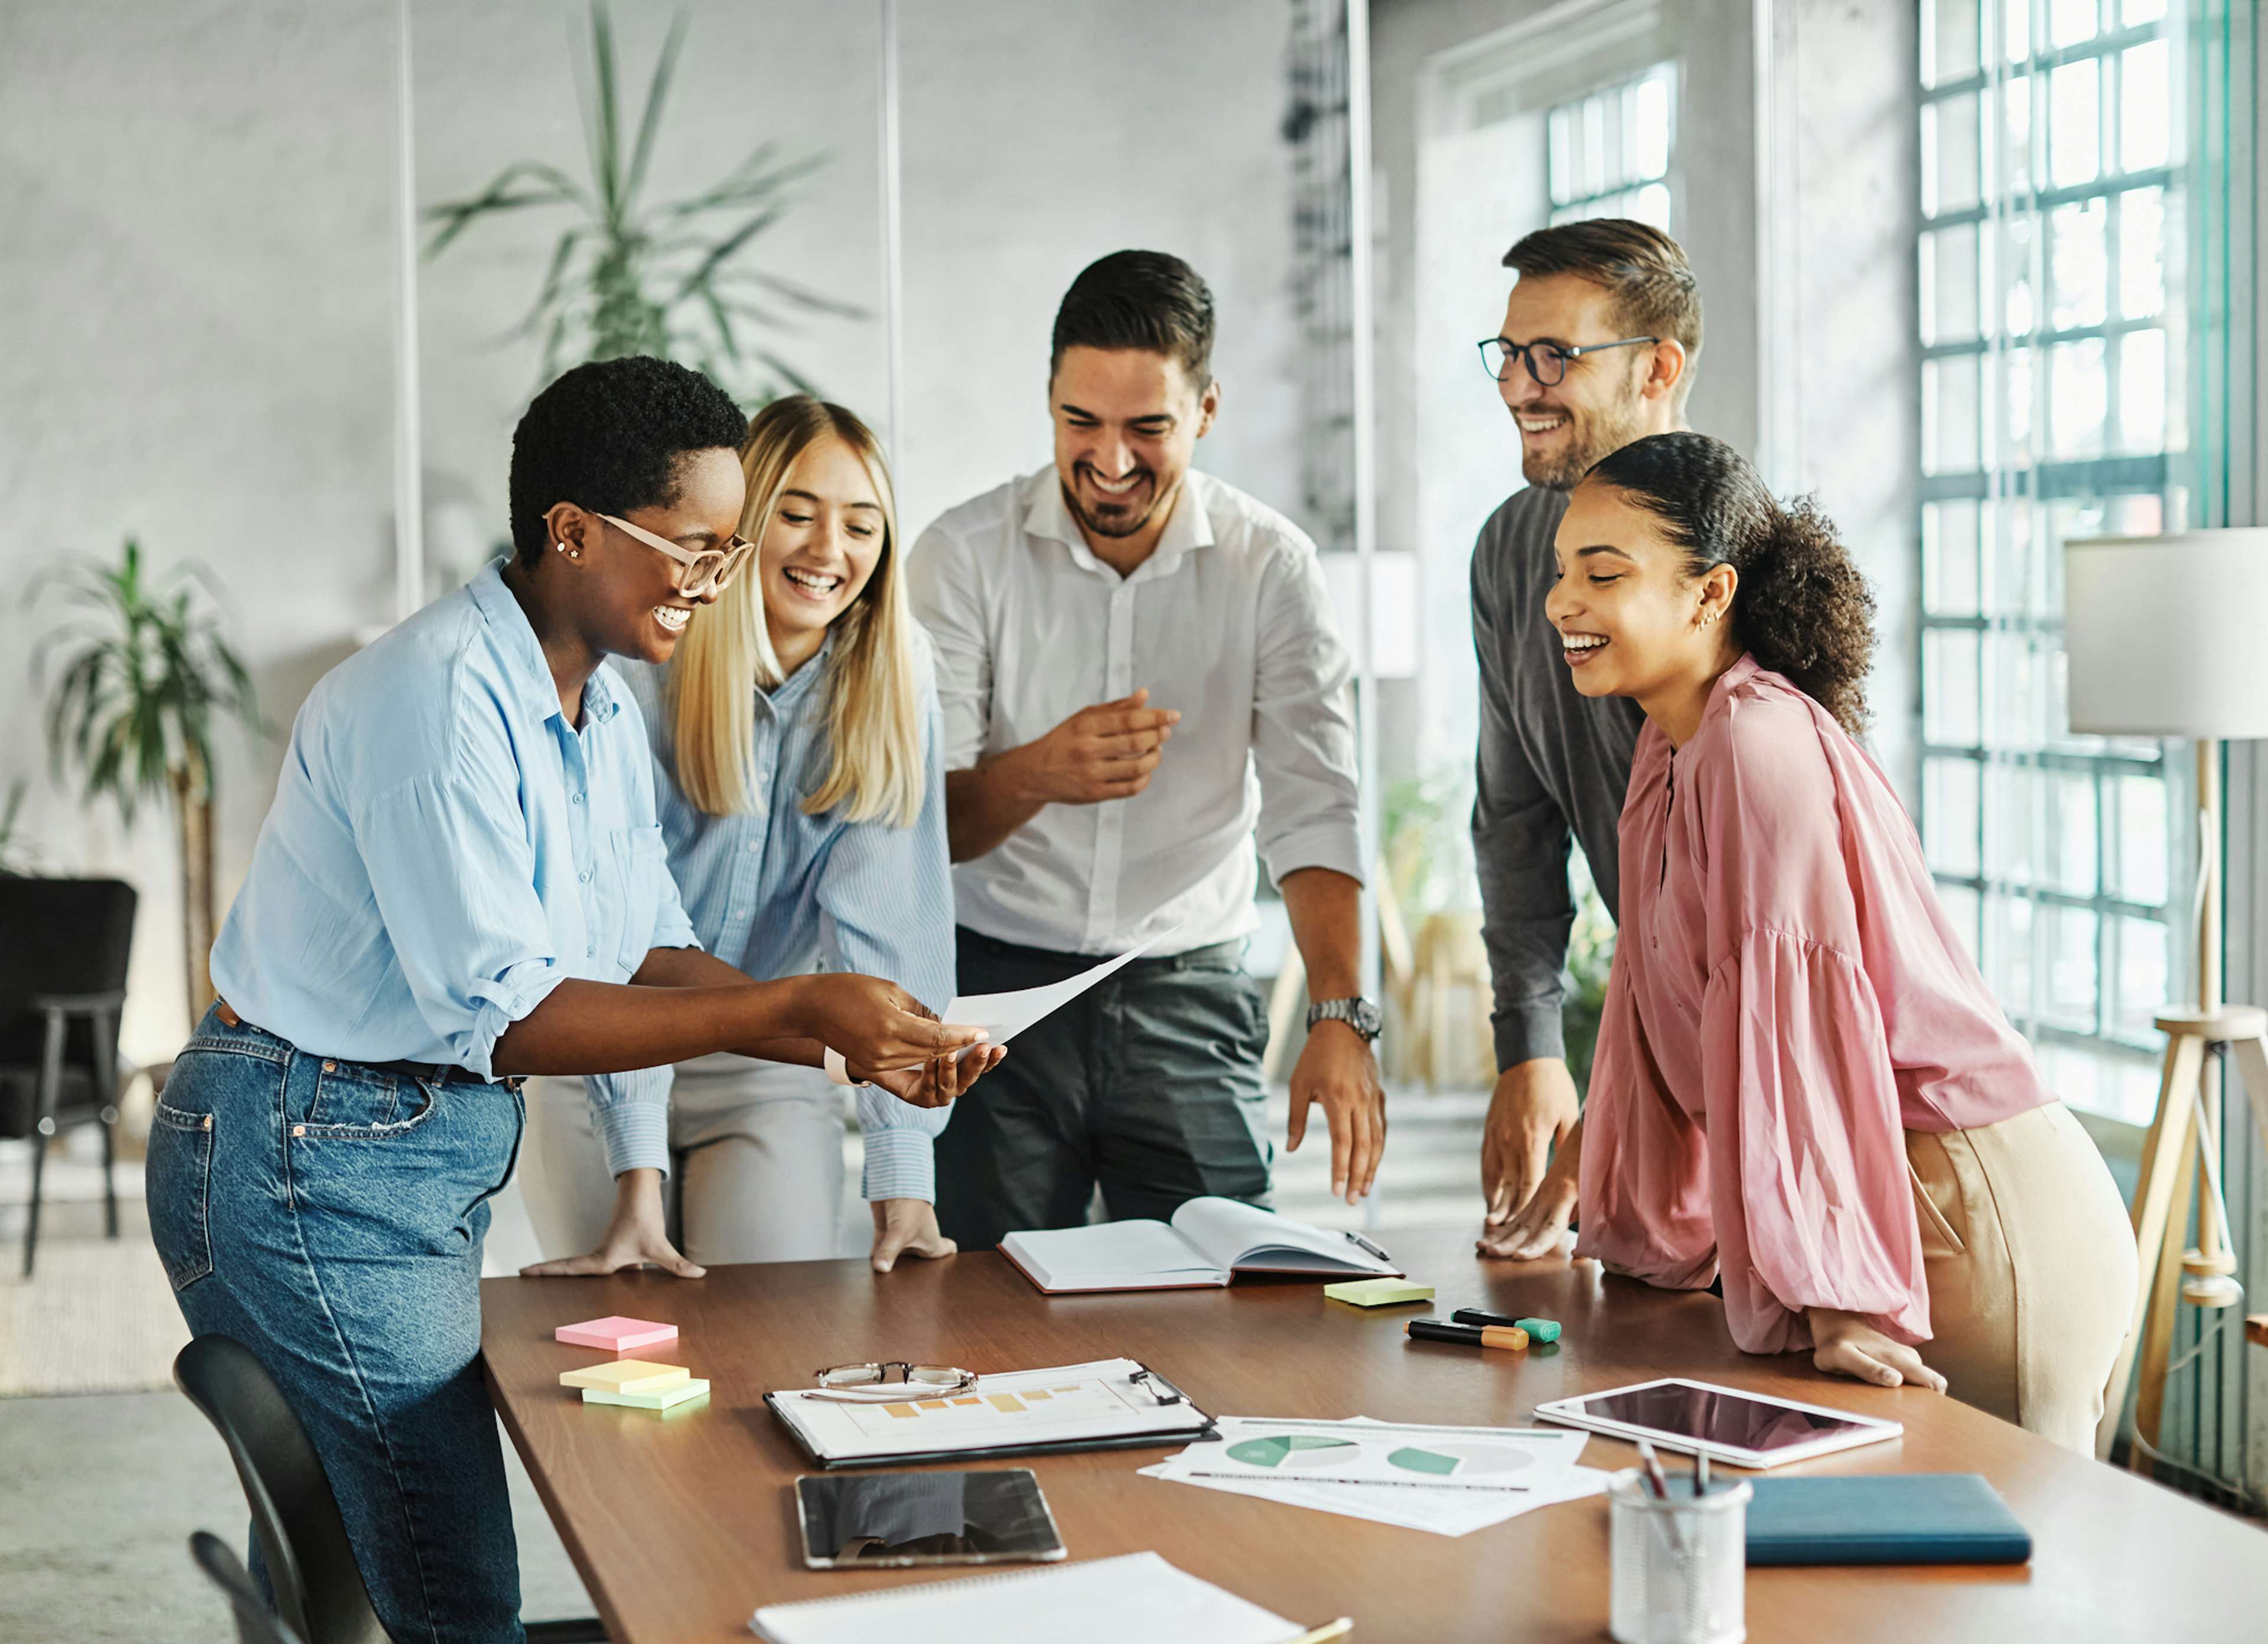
<point x="1208" y="1241"/>
<point x="1136" y="1599"/>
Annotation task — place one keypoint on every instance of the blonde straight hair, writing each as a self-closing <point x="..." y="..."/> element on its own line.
<point x="873" y="703"/>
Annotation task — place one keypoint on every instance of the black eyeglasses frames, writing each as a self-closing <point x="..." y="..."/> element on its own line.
<point x="1546" y="362"/>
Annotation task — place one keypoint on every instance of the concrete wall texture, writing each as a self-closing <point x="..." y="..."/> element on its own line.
<point x="199" y="272"/>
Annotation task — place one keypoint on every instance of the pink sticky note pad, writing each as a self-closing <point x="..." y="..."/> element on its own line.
<point x="616" y="1334"/>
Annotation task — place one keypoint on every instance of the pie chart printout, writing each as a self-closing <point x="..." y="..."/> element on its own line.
<point x="1295" y="1452"/>
<point x="1446" y="1460"/>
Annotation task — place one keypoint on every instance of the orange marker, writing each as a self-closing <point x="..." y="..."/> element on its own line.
<point x="1510" y="1336"/>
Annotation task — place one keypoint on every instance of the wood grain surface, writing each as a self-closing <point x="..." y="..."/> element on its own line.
<point x="682" y="1527"/>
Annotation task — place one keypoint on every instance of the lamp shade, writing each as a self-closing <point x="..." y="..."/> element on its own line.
<point x="2163" y="635"/>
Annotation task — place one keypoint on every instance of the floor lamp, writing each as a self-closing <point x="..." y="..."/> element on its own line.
<point x="2162" y="636"/>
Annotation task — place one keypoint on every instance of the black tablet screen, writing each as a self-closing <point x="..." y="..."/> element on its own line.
<point x="867" y="1519"/>
<point x="1711" y="1417"/>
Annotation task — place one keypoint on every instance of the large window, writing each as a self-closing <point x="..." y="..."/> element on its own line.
<point x="2051" y="403"/>
<point x="1608" y="154"/>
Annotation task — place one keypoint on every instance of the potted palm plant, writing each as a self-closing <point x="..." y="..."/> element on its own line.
<point x="145" y="678"/>
<point x="630" y="275"/>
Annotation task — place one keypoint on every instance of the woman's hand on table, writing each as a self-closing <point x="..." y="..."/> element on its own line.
<point x="636" y="1237"/>
<point x="905" y="1226"/>
<point x="1844" y="1343"/>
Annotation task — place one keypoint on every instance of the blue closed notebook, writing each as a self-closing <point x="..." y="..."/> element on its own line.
<point x="1883" y="1518"/>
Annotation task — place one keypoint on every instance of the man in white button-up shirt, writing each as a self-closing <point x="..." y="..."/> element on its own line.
<point x="1139" y="667"/>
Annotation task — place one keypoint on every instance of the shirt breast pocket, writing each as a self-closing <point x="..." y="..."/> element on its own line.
<point x="639" y="858"/>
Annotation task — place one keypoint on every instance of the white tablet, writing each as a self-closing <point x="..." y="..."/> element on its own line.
<point x="1723" y="1423"/>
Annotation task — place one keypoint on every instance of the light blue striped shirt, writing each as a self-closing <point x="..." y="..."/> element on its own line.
<point x="780" y="893"/>
<point x="444" y="849"/>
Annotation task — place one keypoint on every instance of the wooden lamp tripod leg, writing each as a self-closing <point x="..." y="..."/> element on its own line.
<point x="2168" y="1161"/>
<point x="2163" y="1288"/>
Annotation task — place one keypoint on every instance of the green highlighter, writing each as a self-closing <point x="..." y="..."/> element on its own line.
<point x="1540" y="1331"/>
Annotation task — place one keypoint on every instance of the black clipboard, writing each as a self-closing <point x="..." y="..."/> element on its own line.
<point x="1204" y="1429"/>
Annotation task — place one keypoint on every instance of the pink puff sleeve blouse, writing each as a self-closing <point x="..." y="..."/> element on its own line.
<point x="1787" y="1000"/>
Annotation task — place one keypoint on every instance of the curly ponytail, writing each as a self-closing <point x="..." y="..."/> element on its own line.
<point x="1802" y="608"/>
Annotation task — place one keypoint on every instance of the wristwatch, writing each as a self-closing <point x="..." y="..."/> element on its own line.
<point x="1359" y="1013"/>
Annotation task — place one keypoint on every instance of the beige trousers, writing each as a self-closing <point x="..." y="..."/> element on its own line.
<point x="2031" y="1268"/>
<point x="759" y="1153"/>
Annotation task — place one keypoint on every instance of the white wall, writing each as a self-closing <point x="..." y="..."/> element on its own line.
<point x="195" y="348"/>
<point x="200" y="259"/>
<point x="1039" y="135"/>
<point x="498" y="81"/>
<point x="1471" y="196"/>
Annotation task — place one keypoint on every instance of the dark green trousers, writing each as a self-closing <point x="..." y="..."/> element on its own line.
<point x="1147" y="1085"/>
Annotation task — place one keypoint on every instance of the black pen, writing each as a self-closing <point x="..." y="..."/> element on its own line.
<point x="1367" y="1245"/>
<point x="1468" y="1335"/>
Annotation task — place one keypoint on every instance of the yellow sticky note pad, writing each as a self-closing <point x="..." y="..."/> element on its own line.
<point x="627" y="1376"/>
<point x="1379" y="1292"/>
<point x="667" y="1398"/>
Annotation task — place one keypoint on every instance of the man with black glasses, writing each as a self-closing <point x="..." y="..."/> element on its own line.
<point x="1597" y="351"/>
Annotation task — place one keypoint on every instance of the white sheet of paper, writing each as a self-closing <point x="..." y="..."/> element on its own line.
<point x="1401" y="1457"/>
<point x="1436" y="1511"/>
<point x="1004" y="1015"/>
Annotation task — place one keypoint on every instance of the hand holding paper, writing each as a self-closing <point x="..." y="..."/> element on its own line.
<point x="1001" y="1017"/>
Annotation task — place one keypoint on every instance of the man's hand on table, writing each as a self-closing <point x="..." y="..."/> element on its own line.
<point x="1539" y="1227"/>
<point x="1533" y="1110"/>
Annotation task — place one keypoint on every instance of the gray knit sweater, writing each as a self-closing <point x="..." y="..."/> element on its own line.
<point x="1552" y="762"/>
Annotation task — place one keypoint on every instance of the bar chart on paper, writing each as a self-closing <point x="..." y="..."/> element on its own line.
<point x="961" y="1413"/>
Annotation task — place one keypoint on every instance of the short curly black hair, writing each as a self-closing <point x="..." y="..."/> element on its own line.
<point x="1803" y="608"/>
<point x="609" y="437"/>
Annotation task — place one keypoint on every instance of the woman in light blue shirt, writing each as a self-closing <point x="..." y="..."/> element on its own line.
<point x="461" y="883"/>
<point x="796" y="733"/>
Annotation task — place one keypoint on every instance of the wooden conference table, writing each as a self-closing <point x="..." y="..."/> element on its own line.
<point x="681" y="1527"/>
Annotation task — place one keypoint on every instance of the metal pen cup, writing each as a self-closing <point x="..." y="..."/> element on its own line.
<point x="1679" y="1563"/>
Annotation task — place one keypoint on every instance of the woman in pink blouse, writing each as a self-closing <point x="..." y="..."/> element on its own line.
<point x="1802" y="1084"/>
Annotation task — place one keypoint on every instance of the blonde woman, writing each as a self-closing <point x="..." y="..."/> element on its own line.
<point x="795" y="739"/>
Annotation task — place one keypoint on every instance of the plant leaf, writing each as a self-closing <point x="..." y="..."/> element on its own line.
<point x="657" y="96"/>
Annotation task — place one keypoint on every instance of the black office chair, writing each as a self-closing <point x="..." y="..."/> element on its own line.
<point x="255" y="1623"/>
<point x="319" y="1589"/>
<point x="64" y="950"/>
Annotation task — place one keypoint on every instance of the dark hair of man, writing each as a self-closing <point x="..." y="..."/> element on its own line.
<point x="610" y="437"/>
<point x="1643" y="270"/>
<point x="1144" y="300"/>
<point x="1803" y="608"/>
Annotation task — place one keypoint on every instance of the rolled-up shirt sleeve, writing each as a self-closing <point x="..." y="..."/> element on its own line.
<point x="885" y="900"/>
<point x="454" y="879"/>
<point x="630" y="1112"/>
<point x="1302" y="728"/>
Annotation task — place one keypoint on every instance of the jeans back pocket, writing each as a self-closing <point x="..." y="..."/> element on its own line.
<point x="179" y="1192"/>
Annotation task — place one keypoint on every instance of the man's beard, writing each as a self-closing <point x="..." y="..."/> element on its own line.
<point x="1125" y="523"/>
<point x="1592" y="438"/>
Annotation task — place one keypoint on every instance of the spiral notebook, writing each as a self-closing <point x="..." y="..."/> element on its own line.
<point x="1136" y="1599"/>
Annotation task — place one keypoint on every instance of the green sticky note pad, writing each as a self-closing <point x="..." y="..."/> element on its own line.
<point x="1379" y="1292"/>
<point x="667" y="1398"/>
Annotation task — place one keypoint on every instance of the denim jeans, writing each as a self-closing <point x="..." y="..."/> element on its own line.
<point x="329" y="1216"/>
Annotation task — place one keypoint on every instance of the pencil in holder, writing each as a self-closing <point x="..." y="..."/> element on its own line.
<point x="1679" y="1562"/>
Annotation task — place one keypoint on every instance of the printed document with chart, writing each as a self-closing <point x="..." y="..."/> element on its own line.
<point x="1080" y="1406"/>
